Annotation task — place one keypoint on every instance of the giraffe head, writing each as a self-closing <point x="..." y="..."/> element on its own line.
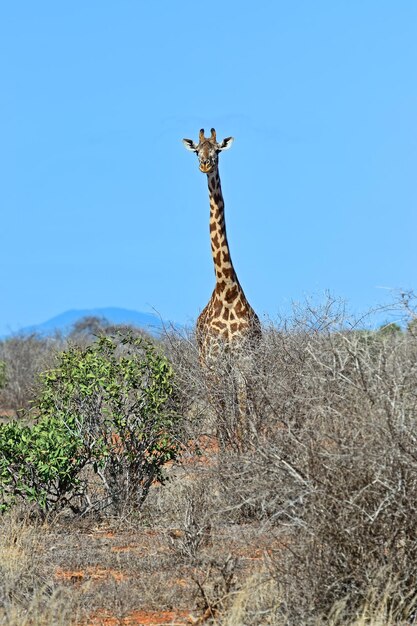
<point x="208" y="150"/>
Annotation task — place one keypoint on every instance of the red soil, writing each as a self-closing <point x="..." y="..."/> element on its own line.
<point x="90" y="573"/>
<point x="144" y="618"/>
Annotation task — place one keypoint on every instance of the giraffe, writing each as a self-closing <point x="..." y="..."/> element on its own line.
<point x="227" y="323"/>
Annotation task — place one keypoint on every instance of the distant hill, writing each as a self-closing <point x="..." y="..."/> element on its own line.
<point x="65" y="321"/>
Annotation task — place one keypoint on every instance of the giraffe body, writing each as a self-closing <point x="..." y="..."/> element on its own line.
<point x="228" y="317"/>
<point x="227" y="325"/>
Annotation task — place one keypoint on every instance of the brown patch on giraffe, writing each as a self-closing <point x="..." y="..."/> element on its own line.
<point x="217" y="258"/>
<point x="215" y="240"/>
<point x="226" y="257"/>
<point x="240" y="308"/>
<point x="213" y="226"/>
<point x="217" y="198"/>
<point x="216" y="214"/>
<point x="226" y="313"/>
<point x="234" y="326"/>
<point x="231" y="294"/>
<point x="221" y="285"/>
<point x="219" y="324"/>
<point x="217" y="306"/>
<point x="228" y="272"/>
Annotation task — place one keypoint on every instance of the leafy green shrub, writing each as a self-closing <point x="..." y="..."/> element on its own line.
<point x="104" y="429"/>
<point x="39" y="464"/>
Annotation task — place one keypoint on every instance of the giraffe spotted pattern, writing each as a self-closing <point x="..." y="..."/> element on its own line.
<point x="228" y="320"/>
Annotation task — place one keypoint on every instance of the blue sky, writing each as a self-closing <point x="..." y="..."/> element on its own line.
<point x="102" y="206"/>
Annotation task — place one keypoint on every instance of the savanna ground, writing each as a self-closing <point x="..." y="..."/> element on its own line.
<point x="313" y="522"/>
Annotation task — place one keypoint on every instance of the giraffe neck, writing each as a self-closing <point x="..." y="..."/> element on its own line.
<point x="223" y="266"/>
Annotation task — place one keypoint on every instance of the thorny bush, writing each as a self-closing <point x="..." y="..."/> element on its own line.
<point x="331" y="465"/>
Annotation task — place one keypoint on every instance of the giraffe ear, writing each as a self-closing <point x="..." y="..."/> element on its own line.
<point x="190" y="145"/>
<point x="225" y="144"/>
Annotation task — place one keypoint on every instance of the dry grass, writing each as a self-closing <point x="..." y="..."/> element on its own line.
<point x="28" y="595"/>
<point x="313" y="523"/>
<point x="261" y="601"/>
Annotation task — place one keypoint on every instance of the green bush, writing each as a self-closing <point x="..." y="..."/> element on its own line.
<point x="389" y="329"/>
<point x="38" y="464"/>
<point x="105" y="426"/>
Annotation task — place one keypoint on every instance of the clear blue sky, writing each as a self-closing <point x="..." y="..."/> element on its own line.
<point x="100" y="203"/>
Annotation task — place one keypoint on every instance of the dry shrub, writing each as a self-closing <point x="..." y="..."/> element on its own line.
<point x="86" y="330"/>
<point x="347" y="473"/>
<point x="344" y="467"/>
<point x="330" y="464"/>
<point x="193" y="397"/>
<point x="24" y="356"/>
<point x="195" y="517"/>
<point x="210" y="397"/>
